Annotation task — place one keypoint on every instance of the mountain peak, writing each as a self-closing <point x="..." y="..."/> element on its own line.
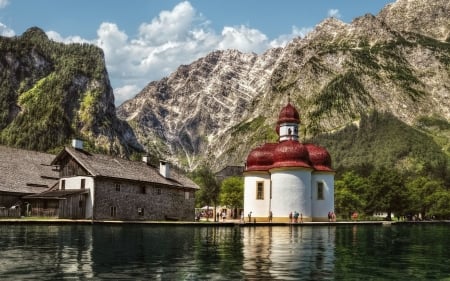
<point x="429" y="18"/>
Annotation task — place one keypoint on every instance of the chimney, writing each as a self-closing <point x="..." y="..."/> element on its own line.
<point x="164" y="169"/>
<point x="146" y="160"/>
<point x="77" y="144"/>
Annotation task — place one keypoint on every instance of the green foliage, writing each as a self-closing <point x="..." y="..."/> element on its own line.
<point x="383" y="140"/>
<point x="209" y="187"/>
<point x="232" y="192"/>
<point x="349" y="194"/>
<point x="40" y="99"/>
<point x="345" y="94"/>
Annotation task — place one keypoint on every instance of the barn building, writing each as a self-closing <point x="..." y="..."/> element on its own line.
<point x="288" y="176"/>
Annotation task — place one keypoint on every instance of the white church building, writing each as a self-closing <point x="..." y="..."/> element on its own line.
<point x="288" y="176"/>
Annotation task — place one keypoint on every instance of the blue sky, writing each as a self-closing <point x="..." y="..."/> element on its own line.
<point x="145" y="40"/>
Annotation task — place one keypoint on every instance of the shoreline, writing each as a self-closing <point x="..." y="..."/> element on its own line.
<point x="229" y="223"/>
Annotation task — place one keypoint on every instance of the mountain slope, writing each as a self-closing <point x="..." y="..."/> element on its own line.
<point x="52" y="92"/>
<point x="219" y="107"/>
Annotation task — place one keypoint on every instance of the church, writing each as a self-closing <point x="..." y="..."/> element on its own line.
<point x="288" y="176"/>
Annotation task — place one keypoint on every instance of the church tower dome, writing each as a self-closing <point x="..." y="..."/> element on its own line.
<point x="287" y="124"/>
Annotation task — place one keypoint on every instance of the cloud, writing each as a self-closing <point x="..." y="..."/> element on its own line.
<point x="126" y="92"/>
<point x="284" y="39"/>
<point x="6" y="31"/>
<point x="242" y="38"/>
<point x="55" y="36"/>
<point x="334" y="13"/>
<point x="3" y="3"/>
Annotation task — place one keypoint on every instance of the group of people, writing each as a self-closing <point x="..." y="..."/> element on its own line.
<point x="294" y="217"/>
<point x="331" y="216"/>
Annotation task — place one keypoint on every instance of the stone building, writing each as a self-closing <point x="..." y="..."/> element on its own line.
<point x="288" y="176"/>
<point x="102" y="187"/>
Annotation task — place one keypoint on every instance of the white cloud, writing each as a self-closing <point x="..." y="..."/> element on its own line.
<point x="284" y="39"/>
<point x="243" y="38"/>
<point x="6" y="31"/>
<point x="334" y="13"/>
<point x="3" y="3"/>
<point x="124" y="93"/>
<point x="55" y="36"/>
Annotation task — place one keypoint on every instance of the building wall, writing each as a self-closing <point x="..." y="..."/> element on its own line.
<point x="72" y="183"/>
<point x="291" y="191"/>
<point x="125" y="200"/>
<point x="259" y="208"/>
<point x="320" y="208"/>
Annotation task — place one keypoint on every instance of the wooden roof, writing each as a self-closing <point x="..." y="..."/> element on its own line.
<point x="56" y="194"/>
<point x="100" y="165"/>
<point x="25" y="171"/>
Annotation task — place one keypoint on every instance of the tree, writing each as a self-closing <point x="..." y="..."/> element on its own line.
<point x="349" y="194"/>
<point x="232" y="193"/>
<point x="387" y="191"/>
<point x="209" y="187"/>
<point x="422" y="192"/>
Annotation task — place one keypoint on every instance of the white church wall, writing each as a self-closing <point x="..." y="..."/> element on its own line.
<point x="291" y="192"/>
<point x="259" y="208"/>
<point x="321" y="206"/>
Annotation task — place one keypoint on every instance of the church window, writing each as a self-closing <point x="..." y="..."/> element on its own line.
<point x="83" y="184"/>
<point x="63" y="184"/>
<point x="117" y="185"/>
<point x="140" y="211"/>
<point x="320" y="191"/>
<point x="260" y="191"/>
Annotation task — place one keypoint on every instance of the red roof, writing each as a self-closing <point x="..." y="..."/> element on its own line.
<point x="261" y="158"/>
<point x="319" y="157"/>
<point x="288" y="115"/>
<point x="289" y="153"/>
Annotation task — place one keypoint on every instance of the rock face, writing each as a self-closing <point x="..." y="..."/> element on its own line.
<point x="219" y="107"/>
<point x="52" y="92"/>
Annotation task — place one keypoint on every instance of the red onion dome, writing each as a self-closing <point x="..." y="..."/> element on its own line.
<point x="289" y="115"/>
<point x="290" y="153"/>
<point x="319" y="157"/>
<point x="261" y="158"/>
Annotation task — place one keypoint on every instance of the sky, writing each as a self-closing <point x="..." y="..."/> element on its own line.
<point x="146" y="40"/>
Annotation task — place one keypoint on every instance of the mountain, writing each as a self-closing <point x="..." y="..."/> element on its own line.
<point x="51" y="92"/>
<point x="392" y="68"/>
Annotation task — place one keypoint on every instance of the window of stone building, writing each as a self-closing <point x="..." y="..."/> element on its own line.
<point x="63" y="184"/>
<point x="187" y="195"/>
<point x="140" y="211"/>
<point x="83" y="184"/>
<point x="80" y="204"/>
<point x="113" y="211"/>
<point x="320" y="195"/>
<point x="158" y="191"/>
<point x="117" y="186"/>
<point x="260" y="191"/>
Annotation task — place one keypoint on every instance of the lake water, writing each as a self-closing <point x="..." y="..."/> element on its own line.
<point x="167" y="252"/>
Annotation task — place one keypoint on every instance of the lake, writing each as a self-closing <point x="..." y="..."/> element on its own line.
<point x="169" y="252"/>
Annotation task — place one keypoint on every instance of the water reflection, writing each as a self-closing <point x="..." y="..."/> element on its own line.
<point x="45" y="252"/>
<point x="149" y="252"/>
<point x="294" y="253"/>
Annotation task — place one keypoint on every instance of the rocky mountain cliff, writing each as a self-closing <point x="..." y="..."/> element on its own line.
<point x="51" y="92"/>
<point x="219" y="107"/>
